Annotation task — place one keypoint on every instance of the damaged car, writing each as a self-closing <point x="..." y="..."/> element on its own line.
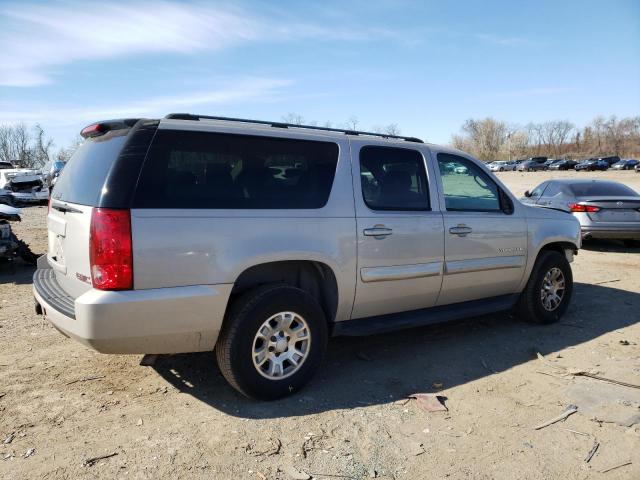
<point x="24" y="185"/>
<point x="10" y="246"/>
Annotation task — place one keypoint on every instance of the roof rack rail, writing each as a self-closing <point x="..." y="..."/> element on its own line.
<point x="189" y="116"/>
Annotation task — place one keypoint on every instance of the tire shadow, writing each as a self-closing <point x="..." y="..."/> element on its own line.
<point x="361" y="371"/>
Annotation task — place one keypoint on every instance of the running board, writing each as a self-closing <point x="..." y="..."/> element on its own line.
<point x="425" y="316"/>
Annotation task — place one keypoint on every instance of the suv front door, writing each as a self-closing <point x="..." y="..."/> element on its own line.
<point x="485" y="242"/>
<point x="400" y="236"/>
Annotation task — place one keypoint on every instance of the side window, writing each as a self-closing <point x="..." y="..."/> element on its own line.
<point x="466" y="186"/>
<point x="538" y="191"/>
<point x="215" y="170"/>
<point x="552" y="190"/>
<point x="393" y="179"/>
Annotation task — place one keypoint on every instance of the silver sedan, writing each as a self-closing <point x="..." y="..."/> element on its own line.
<point x="605" y="209"/>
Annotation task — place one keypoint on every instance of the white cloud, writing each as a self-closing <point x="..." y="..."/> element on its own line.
<point x="35" y="38"/>
<point x="38" y="40"/>
<point x="240" y="90"/>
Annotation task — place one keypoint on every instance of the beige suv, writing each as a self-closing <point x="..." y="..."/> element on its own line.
<point x="261" y="240"/>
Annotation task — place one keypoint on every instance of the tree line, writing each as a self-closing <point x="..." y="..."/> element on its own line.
<point x="30" y="147"/>
<point x="488" y="139"/>
<point x="491" y="139"/>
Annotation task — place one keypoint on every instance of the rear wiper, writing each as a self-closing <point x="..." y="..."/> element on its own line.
<point x="65" y="208"/>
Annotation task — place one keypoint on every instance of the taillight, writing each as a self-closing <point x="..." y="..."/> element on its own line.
<point x="110" y="249"/>
<point x="92" y="130"/>
<point x="576" y="207"/>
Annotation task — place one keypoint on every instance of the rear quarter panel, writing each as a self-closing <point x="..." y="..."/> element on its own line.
<point x="179" y="247"/>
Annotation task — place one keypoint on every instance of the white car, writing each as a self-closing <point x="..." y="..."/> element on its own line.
<point x="502" y="166"/>
<point x="24" y="185"/>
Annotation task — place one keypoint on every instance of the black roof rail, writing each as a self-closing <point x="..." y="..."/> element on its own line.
<point x="189" y="116"/>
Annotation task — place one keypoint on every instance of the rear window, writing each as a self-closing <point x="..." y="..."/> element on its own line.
<point x="601" y="190"/>
<point x="84" y="175"/>
<point x="226" y="171"/>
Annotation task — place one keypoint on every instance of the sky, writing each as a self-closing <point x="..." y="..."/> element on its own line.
<point x="426" y="66"/>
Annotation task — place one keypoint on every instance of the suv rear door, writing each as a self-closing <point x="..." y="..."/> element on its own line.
<point x="485" y="245"/>
<point x="400" y="235"/>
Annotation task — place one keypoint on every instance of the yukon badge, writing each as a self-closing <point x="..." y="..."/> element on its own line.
<point x="511" y="250"/>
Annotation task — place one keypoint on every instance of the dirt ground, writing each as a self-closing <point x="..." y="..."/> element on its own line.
<point x="62" y="404"/>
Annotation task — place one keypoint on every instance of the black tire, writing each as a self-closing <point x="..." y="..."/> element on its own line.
<point x="530" y="307"/>
<point x="234" y="350"/>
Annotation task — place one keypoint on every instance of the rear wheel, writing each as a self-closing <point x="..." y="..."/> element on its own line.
<point x="548" y="292"/>
<point x="272" y="342"/>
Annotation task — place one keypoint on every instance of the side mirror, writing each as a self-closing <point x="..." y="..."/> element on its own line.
<point x="527" y="194"/>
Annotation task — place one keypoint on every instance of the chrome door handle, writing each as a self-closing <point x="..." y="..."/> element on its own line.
<point x="377" y="232"/>
<point x="461" y="230"/>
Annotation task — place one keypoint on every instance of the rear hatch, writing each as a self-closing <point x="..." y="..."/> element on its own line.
<point x="613" y="210"/>
<point x="77" y="192"/>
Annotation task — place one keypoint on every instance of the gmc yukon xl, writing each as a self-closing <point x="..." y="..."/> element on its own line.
<point x="261" y="240"/>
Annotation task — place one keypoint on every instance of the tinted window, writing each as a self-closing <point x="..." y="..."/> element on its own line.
<point x="552" y="190"/>
<point x="603" y="189"/>
<point x="466" y="186"/>
<point x="82" y="179"/>
<point x="537" y="192"/>
<point x="393" y="179"/>
<point x="214" y="170"/>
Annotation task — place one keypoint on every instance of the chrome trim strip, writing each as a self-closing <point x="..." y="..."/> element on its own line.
<point x="480" y="264"/>
<point x="400" y="272"/>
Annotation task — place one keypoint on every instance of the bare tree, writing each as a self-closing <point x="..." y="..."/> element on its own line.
<point x="64" y="154"/>
<point x="485" y="137"/>
<point x="20" y="147"/>
<point x="557" y="138"/>
<point x="392" y="129"/>
<point x="293" y="118"/>
<point x="352" y="123"/>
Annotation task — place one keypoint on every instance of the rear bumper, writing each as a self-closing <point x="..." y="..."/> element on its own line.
<point x="161" y="320"/>
<point x="622" y="233"/>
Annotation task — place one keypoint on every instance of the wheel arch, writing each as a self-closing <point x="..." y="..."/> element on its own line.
<point x="315" y="277"/>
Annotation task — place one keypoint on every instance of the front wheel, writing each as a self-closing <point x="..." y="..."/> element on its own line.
<point x="272" y="341"/>
<point x="548" y="292"/>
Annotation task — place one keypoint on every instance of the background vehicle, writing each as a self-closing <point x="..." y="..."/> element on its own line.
<point x="609" y="161"/>
<point x="10" y="246"/>
<point x="605" y="209"/>
<point x="278" y="247"/>
<point x="533" y="164"/>
<point x="51" y="170"/>
<point x="591" y="165"/>
<point x="502" y="166"/>
<point x="563" y="165"/>
<point x="627" y="164"/>
<point x="25" y="185"/>
<point x="6" y="166"/>
<point x="551" y="162"/>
